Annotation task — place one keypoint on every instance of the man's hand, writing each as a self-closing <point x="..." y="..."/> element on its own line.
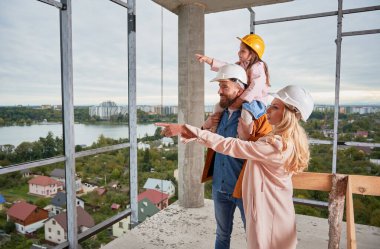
<point x="212" y="121"/>
<point x="171" y="130"/>
<point x="203" y="58"/>
<point x="244" y="130"/>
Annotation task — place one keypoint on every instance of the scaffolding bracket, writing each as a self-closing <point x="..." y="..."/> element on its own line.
<point x="59" y="5"/>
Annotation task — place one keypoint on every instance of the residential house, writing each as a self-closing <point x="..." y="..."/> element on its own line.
<point x="25" y="173"/>
<point x="115" y="206"/>
<point x="101" y="191"/>
<point x="56" y="227"/>
<point x="44" y="186"/>
<point x="58" y="203"/>
<point x="143" y="146"/>
<point x="27" y="217"/>
<point x="328" y="133"/>
<point x="2" y="201"/>
<point x="361" y="134"/>
<point x="146" y="209"/>
<point x="159" y="199"/>
<point x="59" y="175"/>
<point x="167" y="141"/>
<point x="161" y="185"/>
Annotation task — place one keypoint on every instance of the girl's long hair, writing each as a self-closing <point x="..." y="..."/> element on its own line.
<point x="254" y="60"/>
<point x="291" y="131"/>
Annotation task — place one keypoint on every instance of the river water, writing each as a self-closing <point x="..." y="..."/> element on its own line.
<point x="84" y="133"/>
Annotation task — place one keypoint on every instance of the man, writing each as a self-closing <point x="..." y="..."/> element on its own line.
<point x="225" y="171"/>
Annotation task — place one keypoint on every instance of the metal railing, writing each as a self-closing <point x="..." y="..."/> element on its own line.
<point x="68" y="111"/>
<point x="65" y="16"/>
<point x="339" y="13"/>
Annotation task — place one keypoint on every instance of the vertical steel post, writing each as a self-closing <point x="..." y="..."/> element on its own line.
<point x="252" y="21"/>
<point x="162" y="60"/>
<point x="68" y="120"/>
<point x="132" y="108"/>
<point x="338" y="42"/>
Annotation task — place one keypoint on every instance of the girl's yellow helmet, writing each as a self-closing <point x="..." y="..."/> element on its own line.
<point x="255" y="42"/>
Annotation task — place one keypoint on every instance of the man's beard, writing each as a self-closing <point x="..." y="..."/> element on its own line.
<point x="226" y="102"/>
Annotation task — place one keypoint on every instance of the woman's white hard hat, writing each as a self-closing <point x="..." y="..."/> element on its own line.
<point x="231" y="71"/>
<point x="296" y="98"/>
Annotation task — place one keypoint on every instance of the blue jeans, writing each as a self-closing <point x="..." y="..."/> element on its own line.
<point x="225" y="205"/>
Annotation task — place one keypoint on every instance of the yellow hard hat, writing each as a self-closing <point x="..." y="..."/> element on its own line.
<point x="255" y="42"/>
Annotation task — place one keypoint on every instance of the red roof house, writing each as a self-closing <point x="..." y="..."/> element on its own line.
<point x="27" y="217"/>
<point x="56" y="227"/>
<point x="361" y="134"/>
<point x="115" y="206"/>
<point x="160" y="199"/>
<point x="101" y="191"/>
<point x="44" y="186"/>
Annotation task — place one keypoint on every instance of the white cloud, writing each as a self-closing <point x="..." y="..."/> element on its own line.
<point x="301" y="52"/>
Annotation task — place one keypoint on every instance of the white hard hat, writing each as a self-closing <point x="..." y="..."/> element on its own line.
<point x="231" y="71"/>
<point x="298" y="98"/>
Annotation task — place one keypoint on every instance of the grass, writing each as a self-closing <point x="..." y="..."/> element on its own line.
<point x="18" y="193"/>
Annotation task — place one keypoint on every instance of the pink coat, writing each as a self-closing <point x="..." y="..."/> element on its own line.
<point x="267" y="188"/>
<point x="257" y="87"/>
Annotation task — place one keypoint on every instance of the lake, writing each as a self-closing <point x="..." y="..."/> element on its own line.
<point x="84" y="133"/>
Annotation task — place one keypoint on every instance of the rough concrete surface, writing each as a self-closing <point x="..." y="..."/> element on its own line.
<point x="185" y="228"/>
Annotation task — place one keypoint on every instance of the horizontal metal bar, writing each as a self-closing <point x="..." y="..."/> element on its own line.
<point x="374" y="145"/>
<point x="98" y="228"/>
<point x="364" y="9"/>
<point x="361" y="144"/>
<point x="294" y="18"/>
<point x="18" y="167"/>
<point x="35" y="164"/>
<point x="317" y="15"/>
<point x="318" y="141"/>
<point x="312" y="203"/>
<point x="59" y="5"/>
<point x="101" y="150"/>
<point x="121" y="3"/>
<point x="361" y="32"/>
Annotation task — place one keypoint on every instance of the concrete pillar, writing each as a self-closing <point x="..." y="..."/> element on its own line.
<point x="191" y="102"/>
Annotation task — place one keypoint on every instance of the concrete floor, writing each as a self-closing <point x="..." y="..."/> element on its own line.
<point x="177" y="227"/>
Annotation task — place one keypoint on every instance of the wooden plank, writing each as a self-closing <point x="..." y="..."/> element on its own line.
<point x="312" y="181"/>
<point x="365" y="185"/>
<point x="350" y="219"/>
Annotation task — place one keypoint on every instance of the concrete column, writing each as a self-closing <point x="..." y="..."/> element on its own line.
<point x="191" y="102"/>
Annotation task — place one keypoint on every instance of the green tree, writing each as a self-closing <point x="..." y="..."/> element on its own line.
<point x="115" y="173"/>
<point x="9" y="227"/>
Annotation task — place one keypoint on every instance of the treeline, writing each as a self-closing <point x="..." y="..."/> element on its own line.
<point x="349" y="124"/>
<point x="31" y="115"/>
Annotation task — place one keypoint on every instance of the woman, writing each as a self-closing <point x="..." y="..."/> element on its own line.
<point x="272" y="160"/>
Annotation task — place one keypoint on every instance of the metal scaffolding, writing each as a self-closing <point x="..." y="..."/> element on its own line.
<point x="339" y="13"/>
<point x="69" y="157"/>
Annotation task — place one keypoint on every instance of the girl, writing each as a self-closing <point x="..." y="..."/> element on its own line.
<point x="272" y="160"/>
<point x="250" y="53"/>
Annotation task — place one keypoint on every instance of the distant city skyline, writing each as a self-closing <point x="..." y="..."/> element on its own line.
<point x="300" y="52"/>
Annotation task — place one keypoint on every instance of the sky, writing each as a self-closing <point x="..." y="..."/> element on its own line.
<point x="299" y="52"/>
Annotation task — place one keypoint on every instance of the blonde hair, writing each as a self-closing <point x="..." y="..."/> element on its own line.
<point x="291" y="131"/>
